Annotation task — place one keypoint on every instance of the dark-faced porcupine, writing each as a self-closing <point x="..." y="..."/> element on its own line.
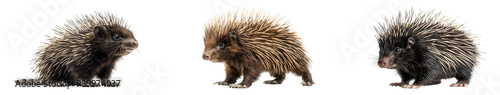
<point x="427" y="47"/>
<point x="249" y="43"/>
<point x="84" y="48"/>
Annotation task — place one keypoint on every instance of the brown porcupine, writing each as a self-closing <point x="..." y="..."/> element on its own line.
<point x="249" y="43"/>
<point x="427" y="47"/>
<point x="84" y="48"/>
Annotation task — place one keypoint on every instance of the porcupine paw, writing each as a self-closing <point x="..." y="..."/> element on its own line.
<point x="407" y="86"/>
<point x="221" y="83"/>
<point x="397" y="84"/>
<point x="237" y="86"/>
<point x="271" y="82"/>
<point x="309" y="83"/>
<point x="459" y="85"/>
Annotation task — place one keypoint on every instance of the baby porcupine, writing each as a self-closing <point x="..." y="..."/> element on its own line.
<point x="427" y="47"/>
<point x="249" y="43"/>
<point x="84" y="48"/>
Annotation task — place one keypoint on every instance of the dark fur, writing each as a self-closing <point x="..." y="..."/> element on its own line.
<point x="418" y="58"/>
<point x="82" y="54"/>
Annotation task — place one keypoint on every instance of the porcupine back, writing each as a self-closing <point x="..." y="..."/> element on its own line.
<point x="447" y="41"/>
<point x="72" y="46"/>
<point x="266" y="38"/>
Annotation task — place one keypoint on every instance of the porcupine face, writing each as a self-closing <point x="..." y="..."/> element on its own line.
<point x="396" y="53"/>
<point x="114" y="40"/>
<point x="221" y="47"/>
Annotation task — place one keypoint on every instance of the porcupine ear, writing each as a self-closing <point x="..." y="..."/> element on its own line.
<point x="99" y="32"/>
<point x="411" y="42"/>
<point x="233" y="35"/>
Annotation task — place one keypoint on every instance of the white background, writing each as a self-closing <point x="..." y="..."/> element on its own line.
<point x="338" y="36"/>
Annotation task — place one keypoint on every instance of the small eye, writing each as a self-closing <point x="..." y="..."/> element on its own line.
<point x="117" y="37"/>
<point x="397" y="50"/>
<point x="221" y="45"/>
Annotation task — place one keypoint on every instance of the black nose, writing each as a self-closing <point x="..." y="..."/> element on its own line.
<point x="205" y="57"/>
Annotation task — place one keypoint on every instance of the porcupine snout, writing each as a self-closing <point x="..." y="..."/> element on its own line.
<point x="134" y="44"/>
<point x="382" y="63"/>
<point x="386" y="63"/>
<point x="131" y="43"/>
<point x="205" y="56"/>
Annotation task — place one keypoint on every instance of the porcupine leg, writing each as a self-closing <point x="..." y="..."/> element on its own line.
<point x="405" y="79"/>
<point x="84" y="77"/>
<point x="76" y="74"/>
<point x="463" y="77"/>
<point x="423" y="80"/>
<point x="232" y="74"/>
<point x="278" y="78"/>
<point x="105" y="73"/>
<point x="249" y="76"/>
<point x="306" y="76"/>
